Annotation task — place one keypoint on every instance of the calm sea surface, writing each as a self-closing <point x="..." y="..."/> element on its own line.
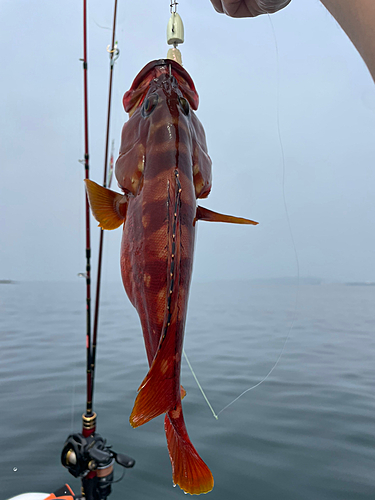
<point x="308" y="432"/>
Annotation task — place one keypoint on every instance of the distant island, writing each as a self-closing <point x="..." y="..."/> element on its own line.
<point x="289" y="280"/>
<point x="308" y="280"/>
<point x="360" y="283"/>
<point x="6" y="282"/>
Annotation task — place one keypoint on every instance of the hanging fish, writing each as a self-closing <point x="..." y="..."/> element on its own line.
<point x="163" y="168"/>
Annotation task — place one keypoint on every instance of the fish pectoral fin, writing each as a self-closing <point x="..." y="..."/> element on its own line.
<point x="108" y="207"/>
<point x="209" y="215"/>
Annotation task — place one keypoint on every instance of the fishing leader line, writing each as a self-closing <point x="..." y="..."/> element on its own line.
<point x="199" y="386"/>
<point x="294" y="316"/>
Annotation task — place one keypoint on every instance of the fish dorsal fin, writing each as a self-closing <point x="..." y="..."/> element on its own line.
<point x="209" y="215"/>
<point x="108" y="207"/>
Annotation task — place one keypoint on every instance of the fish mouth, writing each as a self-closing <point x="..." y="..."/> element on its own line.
<point x="176" y="68"/>
<point x="134" y="97"/>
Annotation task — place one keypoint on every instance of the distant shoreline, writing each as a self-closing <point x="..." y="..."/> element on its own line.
<point x="360" y="283"/>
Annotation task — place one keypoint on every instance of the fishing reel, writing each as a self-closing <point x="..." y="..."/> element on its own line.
<point x="90" y="459"/>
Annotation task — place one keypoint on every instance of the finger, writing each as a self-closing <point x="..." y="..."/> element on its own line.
<point x="248" y="8"/>
<point x="218" y="6"/>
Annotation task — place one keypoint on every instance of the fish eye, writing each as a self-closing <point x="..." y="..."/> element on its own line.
<point x="184" y="105"/>
<point x="149" y="105"/>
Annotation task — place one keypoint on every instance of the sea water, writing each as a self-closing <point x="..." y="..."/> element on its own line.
<point x="306" y="433"/>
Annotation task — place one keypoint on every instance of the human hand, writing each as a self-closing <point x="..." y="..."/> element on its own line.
<point x="248" y="8"/>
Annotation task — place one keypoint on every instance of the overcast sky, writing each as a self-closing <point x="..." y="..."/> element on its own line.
<point x="317" y="88"/>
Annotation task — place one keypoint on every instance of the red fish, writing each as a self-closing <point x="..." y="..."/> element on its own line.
<point x="162" y="169"/>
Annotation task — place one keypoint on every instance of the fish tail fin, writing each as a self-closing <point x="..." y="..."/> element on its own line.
<point x="159" y="390"/>
<point x="189" y="471"/>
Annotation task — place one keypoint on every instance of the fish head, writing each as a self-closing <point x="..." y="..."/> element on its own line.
<point x="161" y="104"/>
<point x="164" y="110"/>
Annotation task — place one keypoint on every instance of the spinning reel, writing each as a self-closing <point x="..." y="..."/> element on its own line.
<point x="90" y="459"/>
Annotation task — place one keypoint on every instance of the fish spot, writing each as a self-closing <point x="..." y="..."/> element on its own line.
<point x="161" y="304"/>
<point x="162" y="294"/>
<point x="145" y="220"/>
<point x="147" y="279"/>
<point x="141" y="164"/>
<point x="175" y="413"/>
<point x="158" y="243"/>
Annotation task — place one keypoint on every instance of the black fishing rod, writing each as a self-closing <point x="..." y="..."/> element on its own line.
<point x="86" y="454"/>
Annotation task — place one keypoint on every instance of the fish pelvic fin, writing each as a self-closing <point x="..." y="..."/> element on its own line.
<point x="209" y="215"/>
<point x="183" y="392"/>
<point x="160" y="389"/>
<point x="108" y="207"/>
<point x="189" y="471"/>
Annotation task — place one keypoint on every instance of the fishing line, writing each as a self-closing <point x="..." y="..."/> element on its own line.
<point x="282" y="148"/>
<point x="101" y="27"/>
<point x="119" y="479"/>
<point x="288" y="223"/>
<point x="293" y="244"/>
<point x="73" y="405"/>
<point x="199" y="385"/>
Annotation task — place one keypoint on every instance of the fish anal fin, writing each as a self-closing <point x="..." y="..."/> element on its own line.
<point x="108" y="207"/>
<point x="158" y="392"/>
<point x="209" y="215"/>
<point x="188" y="469"/>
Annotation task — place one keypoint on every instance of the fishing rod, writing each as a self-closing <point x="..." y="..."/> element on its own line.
<point x="86" y="454"/>
<point x="113" y="55"/>
<point x="89" y="414"/>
